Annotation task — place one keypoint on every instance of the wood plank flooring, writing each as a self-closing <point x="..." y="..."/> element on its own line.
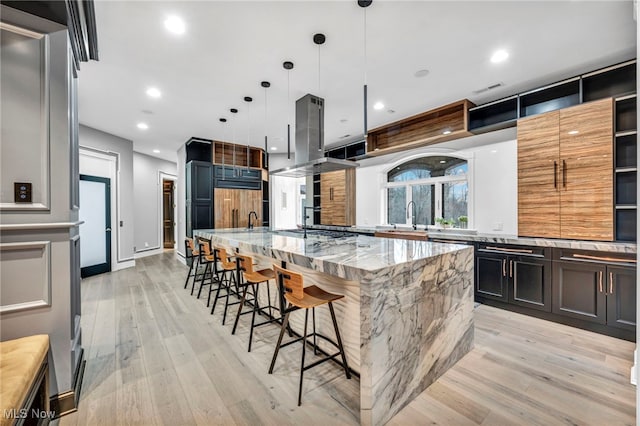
<point x="155" y="356"/>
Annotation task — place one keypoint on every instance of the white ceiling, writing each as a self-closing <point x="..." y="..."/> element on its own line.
<point x="229" y="47"/>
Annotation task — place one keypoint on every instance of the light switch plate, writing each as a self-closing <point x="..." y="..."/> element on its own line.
<point x="22" y="192"/>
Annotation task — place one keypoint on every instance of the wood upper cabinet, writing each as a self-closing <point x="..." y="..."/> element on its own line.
<point x="565" y="173"/>
<point x="538" y="158"/>
<point x="586" y="152"/>
<point x="337" y="198"/>
<point x="232" y="207"/>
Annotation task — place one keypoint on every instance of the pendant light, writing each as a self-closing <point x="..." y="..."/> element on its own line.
<point x="224" y="136"/>
<point x="248" y="99"/>
<point x="266" y="85"/>
<point x="233" y="138"/>
<point x="319" y="39"/>
<point x="288" y="65"/>
<point x="364" y="4"/>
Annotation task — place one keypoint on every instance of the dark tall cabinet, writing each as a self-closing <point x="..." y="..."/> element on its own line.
<point x="199" y="195"/>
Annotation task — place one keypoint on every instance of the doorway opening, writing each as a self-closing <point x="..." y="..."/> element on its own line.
<point x="168" y="219"/>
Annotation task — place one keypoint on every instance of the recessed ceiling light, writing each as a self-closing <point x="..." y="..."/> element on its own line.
<point x="421" y="73"/>
<point x="174" y="24"/>
<point x="446" y="132"/>
<point x="154" y="92"/>
<point x="442" y="161"/>
<point x="573" y="132"/>
<point x="142" y="126"/>
<point x="378" y="105"/>
<point x="499" y="56"/>
<point x="274" y="148"/>
<point x="156" y="151"/>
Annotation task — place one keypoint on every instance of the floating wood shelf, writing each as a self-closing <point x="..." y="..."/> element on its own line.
<point x="424" y="129"/>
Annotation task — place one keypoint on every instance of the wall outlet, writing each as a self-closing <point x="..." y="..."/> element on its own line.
<point x="146" y="244"/>
<point x="497" y="226"/>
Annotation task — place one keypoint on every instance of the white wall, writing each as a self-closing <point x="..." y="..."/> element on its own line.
<point x="181" y="193"/>
<point x="286" y="214"/>
<point x="148" y="173"/>
<point x="493" y="182"/>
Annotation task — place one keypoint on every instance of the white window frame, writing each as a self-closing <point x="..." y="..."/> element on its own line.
<point x="437" y="183"/>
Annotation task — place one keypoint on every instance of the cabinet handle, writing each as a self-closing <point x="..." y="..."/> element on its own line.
<point x="564" y="174"/>
<point x="504" y="267"/>
<point x="510" y="268"/>
<point x="604" y="259"/>
<point x="555" y="174"/>
<point x="610" y="282"/>
<point x="509" y="250"/>
<point x="600" y="280"/>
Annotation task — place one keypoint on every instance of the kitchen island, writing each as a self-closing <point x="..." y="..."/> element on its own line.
<point x="408" y="313"/>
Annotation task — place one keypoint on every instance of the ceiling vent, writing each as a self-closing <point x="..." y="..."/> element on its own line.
<point x="486" y="89"/>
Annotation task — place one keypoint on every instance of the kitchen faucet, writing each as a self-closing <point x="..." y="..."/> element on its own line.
<point x="254" y="215"/>
<point x="304" y="219"/>
<point x="413" y="214"/>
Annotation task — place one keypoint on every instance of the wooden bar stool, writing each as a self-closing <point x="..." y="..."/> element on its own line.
<point x="207" y="258"/>
<point x="253" y="279"/>
<point x="228" y="280"/>
<point x="191" y="253"/>
<point x="300" y="297"/>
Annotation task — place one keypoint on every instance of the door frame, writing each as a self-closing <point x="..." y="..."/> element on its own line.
<point x="101" y="268"/>
<point x="96" y="162"/>
<point x="161" y="177"/>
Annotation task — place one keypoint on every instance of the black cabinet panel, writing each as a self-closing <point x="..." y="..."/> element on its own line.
<point x="621" y="298"/>
<point x="579" y="291"/>
<point x="614" y="82"/>
<point x="237" y="177"/>
<point x="491" y="277"/>
<point x="199" y="196"/>
<point x="531" y="280"/>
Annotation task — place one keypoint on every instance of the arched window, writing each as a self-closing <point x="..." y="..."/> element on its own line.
<point x="426" y="188"/>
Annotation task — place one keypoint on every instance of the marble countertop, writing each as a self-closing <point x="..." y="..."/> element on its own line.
<point x="349" y="257"/>
<point x="502" y="239"/>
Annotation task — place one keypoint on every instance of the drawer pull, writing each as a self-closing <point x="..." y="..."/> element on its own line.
<point x="509" y="250"/>
<point x="604" y="259"/>
<point x="504" y="267"/>
<point x="510" y="268"/>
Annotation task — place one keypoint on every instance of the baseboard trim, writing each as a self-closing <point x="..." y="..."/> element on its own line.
<point x="149" y="252"/>
<point x="124" y="265"/>
<point x="67" y="402"/>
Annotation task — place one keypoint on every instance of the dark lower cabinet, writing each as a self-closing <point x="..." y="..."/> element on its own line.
<point x="530" y="284"/>
<point x="579" y="291"/>
<point x="594" y="289"/>
<point x="621" y="297"/>
<point x="491" y="278"/>
<point x="519" y="276"/>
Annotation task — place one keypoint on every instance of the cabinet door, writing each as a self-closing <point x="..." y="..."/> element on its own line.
<point x="578" y="291"/>
<point x="621" y="297"/>
<point x="225" y="205"/>
<point x="249" y="201"/>
<point x="330" y="183"/>
<point x="538" y="180"/>
<point x="491" y="276"/>
<point x="530" y="282"/>
<point x="586" y="154"/>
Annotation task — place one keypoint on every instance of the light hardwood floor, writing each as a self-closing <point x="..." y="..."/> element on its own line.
<point x="155" y="356"/>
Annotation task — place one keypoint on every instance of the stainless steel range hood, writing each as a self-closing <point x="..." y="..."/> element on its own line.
<point x="310" y="157"/>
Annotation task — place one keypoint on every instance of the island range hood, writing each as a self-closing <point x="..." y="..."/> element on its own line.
<point x="310" y="159"/>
